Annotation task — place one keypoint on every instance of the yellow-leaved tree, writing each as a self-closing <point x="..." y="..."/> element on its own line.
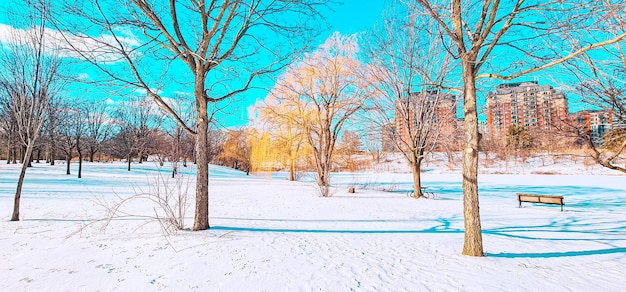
<point x="316" y="96"/>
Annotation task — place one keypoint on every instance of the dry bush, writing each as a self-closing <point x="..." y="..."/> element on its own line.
<point x="167" y="200"/>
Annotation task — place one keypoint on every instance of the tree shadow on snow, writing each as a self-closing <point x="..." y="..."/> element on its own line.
<point x="616" y="250"/>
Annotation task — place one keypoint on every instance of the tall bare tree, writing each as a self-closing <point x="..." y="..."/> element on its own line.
<point x="31" y="78"/>
<point x="8" y="125"/>
<point x="513" y="38"/>
<point x="602" y="85"/>
<point x="70" y="131"/>
<point x="178" y="151"/>
<point x="51" y="129"/>
<point x="138" y="120"/>
<point x="410" y="70"/>
<point x="324" y="90"/>
<point x="224" y="45"/>
<point x="600" y="78"/>
<point x="98" y="126"/>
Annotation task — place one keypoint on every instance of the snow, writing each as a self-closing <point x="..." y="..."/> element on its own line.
<point x="270" y="234"/>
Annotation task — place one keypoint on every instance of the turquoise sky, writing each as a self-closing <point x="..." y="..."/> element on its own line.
<point x="348" y="17"/>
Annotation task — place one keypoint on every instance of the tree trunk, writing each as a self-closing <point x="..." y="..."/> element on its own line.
<point x="92" y="153"/>
<point x="292" y="170"/>
<point x="80" y="163"/>
<point x="20" y="182"/>
<point x="30" y="159"/>
<point x="128" y="158"/>
<point x="473" y="242"/>
<point x="68" y="159"/>
<point x="324" y="159"/>
<point x="140" y="156"/>
<point x="38" y="154"/>
<point x="201" y="219"/>
<point x="417" y="179"/>
<point x="52" y="157"/>
<point x="9" y="151"/>
<point x="323" y="176"/>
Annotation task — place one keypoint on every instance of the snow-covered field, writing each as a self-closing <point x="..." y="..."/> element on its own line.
<point x="269" y="234"/>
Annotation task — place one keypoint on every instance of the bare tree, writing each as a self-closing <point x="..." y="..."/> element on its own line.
<point x="525" y="35"/>
<point x="8" y="125"/>
<point x="138" y="120"/>
<point x="409" y="69"/>
<point x="178" y="151"/>
<point x="325" y="91"/>
<point x="31" y="78"/>
<point x="225" y="45"/>
<point x="373" y="143"/>
<point x="599" y="77"/>
<point x="349" y="145"/>
<point x="50" y="130"/>
<point x="98" y="126"/>
<point x="70" y="131"/>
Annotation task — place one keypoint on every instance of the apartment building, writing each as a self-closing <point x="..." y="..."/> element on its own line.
<point x="525" y="104"/>
<point x="433" y="109"/>
<point x="595" y="122"/>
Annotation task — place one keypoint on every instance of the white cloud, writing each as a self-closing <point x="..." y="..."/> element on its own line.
<point x="102" y="48"/>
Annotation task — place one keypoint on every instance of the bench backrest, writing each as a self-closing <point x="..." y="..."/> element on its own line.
<point x="531" y="198"/>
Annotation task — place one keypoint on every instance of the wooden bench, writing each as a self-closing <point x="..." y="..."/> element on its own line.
<point x="542" y="199"/>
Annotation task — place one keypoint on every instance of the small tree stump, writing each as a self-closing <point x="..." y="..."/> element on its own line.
<point x="351" y="190"/>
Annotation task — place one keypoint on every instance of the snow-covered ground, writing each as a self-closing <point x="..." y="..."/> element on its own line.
<point x="269" y="234"/>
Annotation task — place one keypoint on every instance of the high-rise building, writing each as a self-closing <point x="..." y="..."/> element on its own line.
<point x="525" y="104"/>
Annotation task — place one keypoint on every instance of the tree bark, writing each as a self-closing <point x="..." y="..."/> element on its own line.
<point x="52" y="157"/>
<point x="68" y="159"/>
<point x="201" y="219"/>
<point x="92" y="153"/>
<point x="417" y="179"/>
<point x="9" y="149"/>
<point x="128" y="158"/>
<point x="20" y="182"/>
<point x="80" y="162"/>
<point x="292" y="170"/>
<point x="473" y="242"/>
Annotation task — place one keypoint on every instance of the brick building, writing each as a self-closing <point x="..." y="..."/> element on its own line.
<point x="596" y="122"/>
<point x="525" y="104"/>
<point x="432" y="107"/>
